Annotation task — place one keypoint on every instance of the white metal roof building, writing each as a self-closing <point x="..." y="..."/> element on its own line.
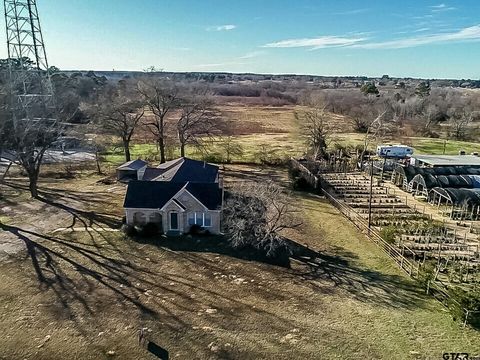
<point x="444" y="160"/>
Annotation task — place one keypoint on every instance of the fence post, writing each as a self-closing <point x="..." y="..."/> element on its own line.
<point x="466" y="318"/>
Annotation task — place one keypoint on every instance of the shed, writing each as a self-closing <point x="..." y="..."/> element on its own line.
<point x="131" y="170"/>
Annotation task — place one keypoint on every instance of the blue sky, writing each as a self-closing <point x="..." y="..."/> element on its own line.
<point x="438" y="39"/>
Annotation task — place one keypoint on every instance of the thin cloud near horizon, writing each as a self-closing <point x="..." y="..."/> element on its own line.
<point x="471" y="33"/>
<point x="316" y="43"/>
<point x="442" y="7"/>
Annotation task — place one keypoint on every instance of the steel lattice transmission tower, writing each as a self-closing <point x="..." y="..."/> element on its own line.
<point x="28" y="61"/>
<point x="24" y="34"/>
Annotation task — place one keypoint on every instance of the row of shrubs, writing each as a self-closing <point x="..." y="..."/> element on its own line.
<point x="151" y="229"/>
<point x="260" y="158"/>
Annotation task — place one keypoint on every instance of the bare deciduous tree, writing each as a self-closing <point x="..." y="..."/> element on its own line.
<point x="314" y="124"/>
<point x="29" y="126"/>
<point x="372" y="131"/>
<point x="230" y="148"/>
<point x="162" y="98"/>
<point x="196" y="120"/>
<point x="120" y="115"/>
<point x="459" y="122"/>
<point x="257" y="214"/>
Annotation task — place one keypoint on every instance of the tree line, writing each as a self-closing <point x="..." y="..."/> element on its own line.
<point x="184" y="112"/>
<point x="85" y="104"/>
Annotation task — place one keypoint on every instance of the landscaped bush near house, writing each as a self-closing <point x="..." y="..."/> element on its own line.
<point x="149" y="230"/>
<point x="129" y="230"/>
<point x="195" y="229"/>
<point x="198" y="230"/>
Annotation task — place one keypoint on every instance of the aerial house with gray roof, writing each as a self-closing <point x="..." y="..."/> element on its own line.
<point x="174" y="207"/>
<point x="175" y="196"/>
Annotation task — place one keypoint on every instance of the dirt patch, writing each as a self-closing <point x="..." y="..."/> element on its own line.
<point x="68" y="204"/>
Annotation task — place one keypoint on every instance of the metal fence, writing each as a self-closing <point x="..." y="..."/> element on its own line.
<point x="405" y="264"/>
<point x="435" y="288"/>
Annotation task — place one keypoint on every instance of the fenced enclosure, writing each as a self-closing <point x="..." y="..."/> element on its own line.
<point x="402" y="229"/>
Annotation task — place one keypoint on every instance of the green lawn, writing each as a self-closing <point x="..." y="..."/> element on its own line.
<point x="436" y="146"/>
<point x="279" y="145"/>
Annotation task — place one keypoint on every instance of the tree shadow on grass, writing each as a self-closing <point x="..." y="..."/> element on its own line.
<point x="62" y="199"/>
<point x="325" y="272"/>
<point x="214" y="244"/>
<point x="75" y="273"/>
<point x="339" y="270"/>
<point x="51" y="267"/>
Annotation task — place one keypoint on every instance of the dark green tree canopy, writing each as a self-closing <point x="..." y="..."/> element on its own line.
<point x="423" y="89"/>
<point x="369" y="89"/>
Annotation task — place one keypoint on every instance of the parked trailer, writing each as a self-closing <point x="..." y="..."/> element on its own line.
<point x="394" y="151"/>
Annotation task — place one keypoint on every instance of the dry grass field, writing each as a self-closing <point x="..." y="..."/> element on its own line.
<point x="79" y="289"/>
<point x="256" y="127"/>
<point x="252" y="126"/>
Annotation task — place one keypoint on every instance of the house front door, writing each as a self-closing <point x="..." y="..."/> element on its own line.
<point x="173" y="221"/>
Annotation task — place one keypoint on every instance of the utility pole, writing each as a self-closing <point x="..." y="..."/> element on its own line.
<point x="370" y="198"/>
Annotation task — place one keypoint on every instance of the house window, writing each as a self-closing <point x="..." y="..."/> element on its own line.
<point x="191" y="219"/>
<point x="207" y="220"/>
<point x="139" y="218"/>
<point x="200" y="219"/>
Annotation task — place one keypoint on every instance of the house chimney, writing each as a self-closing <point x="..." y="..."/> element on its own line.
<point x="204" y="164"/>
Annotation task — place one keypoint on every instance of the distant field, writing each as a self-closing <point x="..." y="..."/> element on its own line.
<point x="257" y="127"/>
<point x="281" y="145"/>
<point x="436" y="146"/>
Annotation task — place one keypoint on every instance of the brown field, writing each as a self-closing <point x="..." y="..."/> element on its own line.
<point x="83" y="291"/>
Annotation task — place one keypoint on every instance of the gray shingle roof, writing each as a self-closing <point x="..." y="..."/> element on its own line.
<point x="133" y="165"/>
<point x="184" y="170"/>
<point x="155" y="194"/>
